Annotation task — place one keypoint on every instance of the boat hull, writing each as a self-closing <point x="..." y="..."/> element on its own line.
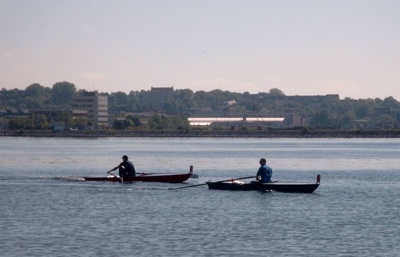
<point x="149" y="177"/>
<point x="289" y="187"/>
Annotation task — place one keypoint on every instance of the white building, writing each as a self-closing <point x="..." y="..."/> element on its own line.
<point x="237" y="121"/>
<point x="94" y="104"/>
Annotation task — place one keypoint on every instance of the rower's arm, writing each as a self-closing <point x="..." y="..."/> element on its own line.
<point x="112" y="169"/>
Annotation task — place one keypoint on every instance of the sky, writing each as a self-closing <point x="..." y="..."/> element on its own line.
<point x="302" y="47"/>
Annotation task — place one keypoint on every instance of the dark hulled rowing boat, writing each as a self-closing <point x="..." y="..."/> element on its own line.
<point x="287" y="187"/>
<point x="146" y="177"/>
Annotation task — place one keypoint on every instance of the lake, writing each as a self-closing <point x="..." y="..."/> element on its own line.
<point x="47" y="211"/>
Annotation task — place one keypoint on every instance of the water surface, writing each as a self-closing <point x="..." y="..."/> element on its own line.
<point x="47" y="211"/>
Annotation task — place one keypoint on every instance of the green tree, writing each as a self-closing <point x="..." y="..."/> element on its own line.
<point x="41" y="122"/>
<point x="19" y="123"/>
<point x="200" y="99"/>
<point x="11" y="98"/>
<point x="135" y="120"/>
<point x="154" y="121"/>
<point x="37" y="90"/>
<point x="120" y="98"/>
<point x="31" y="102"/>
<point x="159" y="121"/>
<point x="276" y="92"/>
<point x="122" y="124"/>
<point x="134" y="101"/>
<point x="323" y="119"/>
<point x="36" y="96"/>
<point x="65" y="117"/>
<point x="364" y="108"/>
<point x="82" y="122"/>
<point x="183" y="100"/>
<point x="391" y="103"/>
<point x="162" y="121"/>
<point x="181" y="122"/>
<point x="63" y="92"/>
<point x="384" y="121"/>
<point x="348" y="120"/>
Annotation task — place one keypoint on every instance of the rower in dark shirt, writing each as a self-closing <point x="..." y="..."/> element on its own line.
<point x="125" y="168"/>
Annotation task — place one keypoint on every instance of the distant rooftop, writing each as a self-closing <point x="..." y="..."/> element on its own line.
<point x="208" y="121"/>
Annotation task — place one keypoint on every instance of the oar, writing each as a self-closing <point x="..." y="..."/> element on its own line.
<point x="226" y="180"/>
<point x="151" y="173"/>
<point x="161" y="173"/>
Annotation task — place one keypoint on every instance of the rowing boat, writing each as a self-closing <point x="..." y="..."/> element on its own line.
<point x="287" y="187"/>
<point x="146" y="177"/>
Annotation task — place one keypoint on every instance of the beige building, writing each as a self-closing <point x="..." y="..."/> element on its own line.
<point x="94" y="104"/>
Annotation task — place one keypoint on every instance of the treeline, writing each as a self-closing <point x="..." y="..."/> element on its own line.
<point x="325" y="113"/>
<point x="37" y="96"/>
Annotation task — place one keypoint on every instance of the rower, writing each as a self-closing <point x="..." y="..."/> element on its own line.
<point x="264" y="173"/>
<point x="125" y="168"/>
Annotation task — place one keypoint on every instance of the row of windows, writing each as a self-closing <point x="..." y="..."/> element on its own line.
<point x="83" y="105"/>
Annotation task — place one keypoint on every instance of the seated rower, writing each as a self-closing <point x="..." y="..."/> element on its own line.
<point x="264" y="173"/>
<point x="125" y="168"/>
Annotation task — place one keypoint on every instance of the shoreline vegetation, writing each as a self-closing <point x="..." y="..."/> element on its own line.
<point x="273" y="133"/>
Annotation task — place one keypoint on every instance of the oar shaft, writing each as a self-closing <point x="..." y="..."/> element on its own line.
<point x="189" y="186"/>
<point x="213" y="182"/>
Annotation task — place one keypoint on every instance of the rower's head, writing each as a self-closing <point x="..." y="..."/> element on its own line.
<point x="125" y="158"/>
<point x="263" y="161"/>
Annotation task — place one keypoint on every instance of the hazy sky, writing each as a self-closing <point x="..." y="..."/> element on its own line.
<point x="345" y="47"/>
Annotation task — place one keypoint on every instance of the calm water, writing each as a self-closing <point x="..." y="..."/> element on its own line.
<point x="45" y="212"/>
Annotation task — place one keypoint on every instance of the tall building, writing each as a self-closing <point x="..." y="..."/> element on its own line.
<point x="158" y="96"/>
<point x="94" y="104"/>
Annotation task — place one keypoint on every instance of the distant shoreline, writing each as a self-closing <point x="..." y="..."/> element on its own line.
<point x="211" y="133"/>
